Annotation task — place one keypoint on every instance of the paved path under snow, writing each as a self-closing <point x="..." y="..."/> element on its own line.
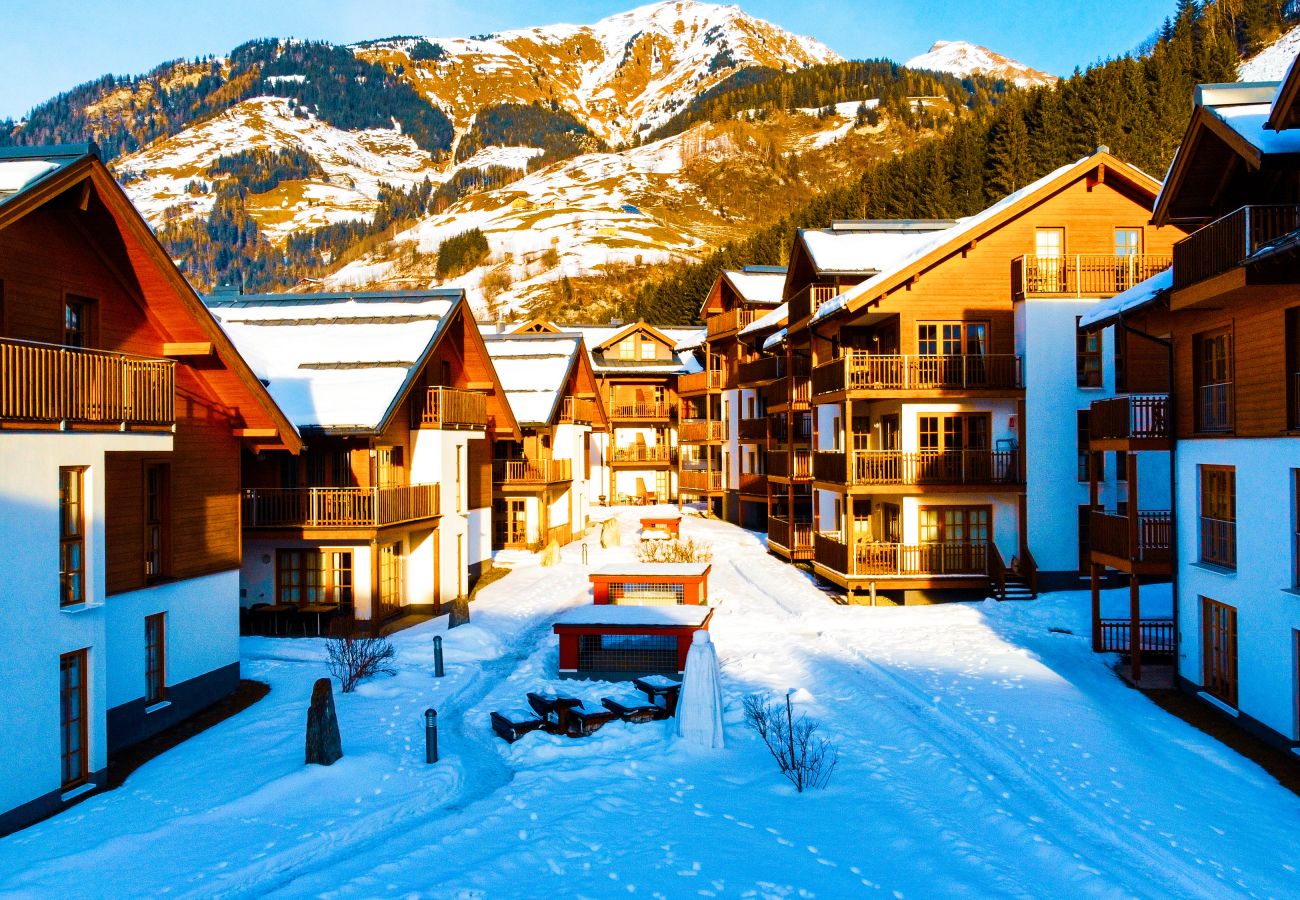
<point x="981" y="755"/>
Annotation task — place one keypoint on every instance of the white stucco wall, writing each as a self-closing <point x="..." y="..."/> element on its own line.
<point x="1261" y="589"/>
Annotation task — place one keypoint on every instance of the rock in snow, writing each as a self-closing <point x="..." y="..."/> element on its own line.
<point x="699" y="707"/>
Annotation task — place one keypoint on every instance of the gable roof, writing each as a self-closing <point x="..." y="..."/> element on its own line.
<point x="867" y="246"/>
<point x="30" y="177"/>
<point x="534" y="369"/>
<point x="1285" y="112"/>
<point x="598" y="338"/>
<point x="937" y="246"/>
<point x="340" y="362"/>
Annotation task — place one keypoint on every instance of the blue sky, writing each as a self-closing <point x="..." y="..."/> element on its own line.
<point x="48" y="47"/>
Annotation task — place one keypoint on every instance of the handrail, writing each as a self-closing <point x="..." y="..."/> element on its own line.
<point x="444" y="406"/>
<point x="862" y="371"/>
<point x="728" y="322"/>
<point x="54" y="383"/>
<point x="1230" y="240"/>
<point x="578" y="410"/>
<point x="1156" y="636"/>
<point x="335" y="507"/>
<point x="867" y="467"/>
<point x="531" y="471"/>
<point x="997" y="572"/>
<point x="640" y="411"/>
<point x="1084" y="274"/>
<point x="647" y="453"/>
<point x="1133" y="417"/>
<point x="710" y="379"/>
<point x="884" y="558"/>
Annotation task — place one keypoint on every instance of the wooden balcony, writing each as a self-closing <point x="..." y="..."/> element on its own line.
<point x="788" y="394"/>
<point x="657" y="455"/>
<point x="761" y="371"/>
<point x="700" y="382"/>
<point x="641" y="412"/>
<point x="700" y="431"/>
<point x="49" y="383"/>
<point x="1226" y="243"/>
<point x="753" y="483"/>
<point x="531" y="472"/>
<point x="875" y="373"/>
<point x="879" y="560"/>
<point x="809" y="300"/>
<point x="994" y="469"/>
<point x="578" y="411"/>
<point x="700" y="481"/>
<point x="1129" y="423"/>
<point x="1156" y="636"/>
<point x="793" y="540"/>
<point x="1082" y="275"/>
<point x="795" y="465"/>
<point x="348" y="507"/>
<point x="1145" y="549"/>
<point x="444" y="407"/>
<point x="728" y="323"/>
<point x="753" y="431"/>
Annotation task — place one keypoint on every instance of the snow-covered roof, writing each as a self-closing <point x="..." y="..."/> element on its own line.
<point x="1108" y="311"/>
<point x="335" y="361"/>
<point x="532" y="369"/>
<point x="1248" y="121"/>
<point x="22" y="168"/>
<point x="859" y="252"/>
<point x="772" y="319"/>
<point x="670" y="570"/>
<point x="763" y="288"/>
<point x="688" y="616"/>
<point x="776" y="340"/>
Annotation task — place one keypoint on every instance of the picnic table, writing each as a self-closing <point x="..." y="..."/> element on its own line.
<point x="318" y="609"/>
<point x="273" y="612"/>
<point x="656" y="686"/>
<point x="554" y="705"/>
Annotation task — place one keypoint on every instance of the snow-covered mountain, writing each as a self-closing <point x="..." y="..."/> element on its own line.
<point x="1271" y="63"/>
<point x="963" y="58"/>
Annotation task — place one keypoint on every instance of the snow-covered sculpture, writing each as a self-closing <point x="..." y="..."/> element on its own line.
<point x="699" y="707"/>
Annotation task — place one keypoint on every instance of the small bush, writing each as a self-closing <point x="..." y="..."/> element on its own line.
<point x="354" y="656"/>
<point x="806" y="760"/>
<point x="685" y="550"/>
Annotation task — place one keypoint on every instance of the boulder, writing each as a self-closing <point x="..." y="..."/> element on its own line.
<point x="551" y="555"/>
<point x="610" y="534"/>
<point x="324" y="746"/>
<point x="458" y="613"/>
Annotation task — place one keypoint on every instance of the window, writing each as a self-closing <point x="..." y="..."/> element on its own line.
<point x="155" y="658"/>
<point x="1049" y="252"/>
<point x="391" y="579"/>
<point x="1128" y="242"/>
<point x="1212" y="370"/>
<point x="952" y="338"/>
<point x="649" y="349"/>
<point x="1219" y="516"/>
<point x="1295" y="527"/>
<point x="510" y="518"/>
<point x="627" y="348"/>
<point x="73" y="730"/>
<point x="1087" y="357"/>
<point x="77" y="314"/>
<point x="1082" y="429"/>
<point x="1219" y="649"/>
<point x="1128" y="252"/>
<point x="298" y="577"/>
<point x="157" y="478"/>
<point x="72" y="536"/>
<point x="1293" y="368"/>
<point x="958" y="536"/>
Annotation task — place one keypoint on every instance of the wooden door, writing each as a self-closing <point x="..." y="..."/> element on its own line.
<point x="1049" y="247"/>
<point x="956" y="537"/>
<point x="74" y="731"/>
<point x="1219" y="649"/>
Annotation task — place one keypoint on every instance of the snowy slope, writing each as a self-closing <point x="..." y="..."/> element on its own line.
<point x="963" y="58"/>
<point x="1271" y="63"/>
<point x="985" y="751"/>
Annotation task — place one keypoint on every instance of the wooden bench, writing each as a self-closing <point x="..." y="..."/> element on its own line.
<point x="587" y="720"/>
<point x="513" y="724"/>
<point x="635" y="713"/>
<point x="554" y="710"/>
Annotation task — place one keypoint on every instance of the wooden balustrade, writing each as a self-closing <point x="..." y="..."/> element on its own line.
<point x="809" y="300"/>
<point x="699" y="480"/>
<point x="52" y="383"/>
<point x="1129" y="418"/>
<point x="795" y="537"/>
<point x="754" y="483"/>
<point x="728" y="322"/>
<point x="1156" y="636"/>
<point x="640" y="412"/>
<point x="348" y="507"/>
<point x="883" y="559"/>
<point x="860" y="371"/>
<point x="1083" y="275"/>
<point x="761" y="371"/>
<point x="796" y="464"/>
<point x="532" y="471"/>
<point x="695" y="382"/>
<point x="753" y="430"/>
<point x="445" y="407"/>
<point x="578" y="411"/>
<point x="830" y="465"/>
<point x="1227" y="242"/>
<point x="656" y="453"/>
<point x="1108" y="533"/>
<point x="699" y="431"/>
<point x="874" y="467"/>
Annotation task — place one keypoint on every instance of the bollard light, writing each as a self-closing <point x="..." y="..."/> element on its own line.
<point x="437" y="656"/>
<point x="584" y="553"/>
<point x="430" y="736"/>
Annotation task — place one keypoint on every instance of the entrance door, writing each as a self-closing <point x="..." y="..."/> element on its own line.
<point x="392" y="578"/>
<point x="74" y="732"/>
<point x="511" y="523"/>
<point x="1219" y="649"/>
<point x="1049" y="247"/>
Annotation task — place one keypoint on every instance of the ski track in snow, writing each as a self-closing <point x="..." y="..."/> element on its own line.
<point x="980" y="755"/>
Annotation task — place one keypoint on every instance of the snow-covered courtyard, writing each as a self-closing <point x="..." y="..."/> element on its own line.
<point x="984" y="751"/>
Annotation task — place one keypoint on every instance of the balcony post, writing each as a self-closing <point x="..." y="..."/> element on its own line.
<point x="1078" y="282"/>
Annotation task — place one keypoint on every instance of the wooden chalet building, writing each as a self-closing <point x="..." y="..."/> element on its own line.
<point x="1228" y="316"/>
<point x="389" y="509"/>
<point x="123" y="412"/>
<point x="540" y="480"/>
<point x="918" y="384"/>
<point x="737" y="299"/>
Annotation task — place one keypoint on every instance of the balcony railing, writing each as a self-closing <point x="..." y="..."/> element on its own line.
<point x="1082" y="275"/>
<point x="796" y="537"/>
<point x="886" y="467"/>
<point x="659" y="453"/>
<point x="728" y="322"/>
<point x="753" y="483"/>
<point x="1108" y="533"/>
<point x="1219" y="542"/>
<point x="881" y="559"/>
<point x="807" y="301"/>
<point x="52" y="383"/>
<point x="1129" y="418"/>
<point x="753" y="430"/>
<point x="710" y="380"/>
<point x="761" y="371"/>
<point x="1156" y="636"/>
<point x="1214" y="407"/>
<point x="797" y="464"/>
<point x="699" y="431"/>
<point x="1226" y="243"/>
<point x="348" y="507"/>
<point x="640" y="412"/>
<point x="446" y="407"/>
<point x="796" y="393"/>
<point x="578" y="411"/>
<point x="704" y="480"/>
<point x="860" y="371"/>
<point x="532" y="471"/>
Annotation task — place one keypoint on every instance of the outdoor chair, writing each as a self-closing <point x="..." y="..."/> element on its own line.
<point x="513" y="724"/>
<point x="636" y="713"/>
<point x="587" y="720"/>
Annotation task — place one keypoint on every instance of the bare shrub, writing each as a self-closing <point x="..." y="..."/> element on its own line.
<point x="495" y="283"/>
<point x="805" y="759"/>
<point x="683" y="550"/>
<point x="355" y="656"/>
